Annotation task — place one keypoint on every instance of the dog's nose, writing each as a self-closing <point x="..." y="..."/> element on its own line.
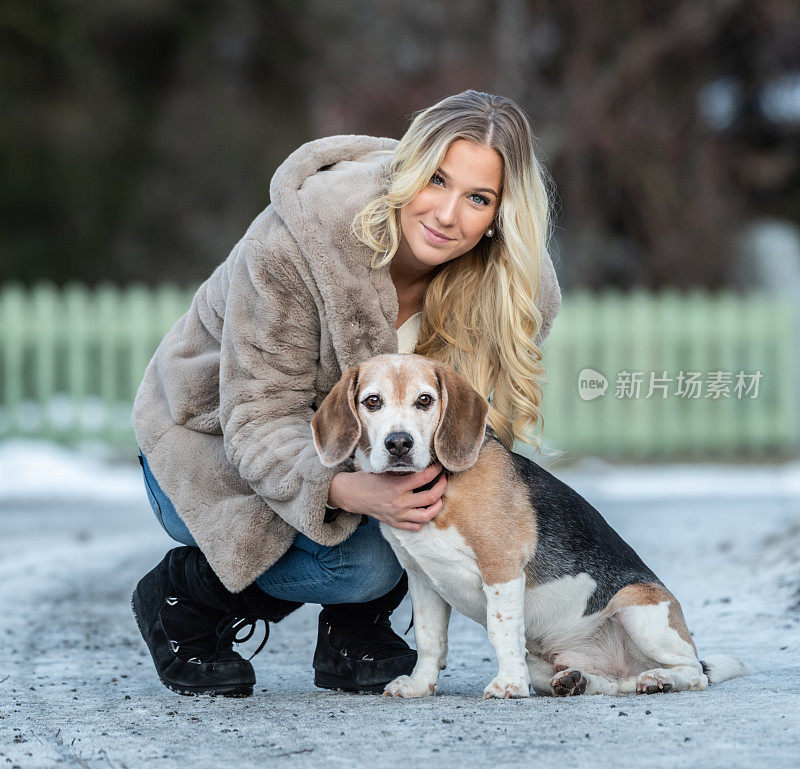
<point x="398" y="444"/>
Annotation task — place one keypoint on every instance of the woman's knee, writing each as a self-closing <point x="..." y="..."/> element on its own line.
<point x="372" y="584"/>
<point x="163" y="508"/>
<point x="364" y="568"/>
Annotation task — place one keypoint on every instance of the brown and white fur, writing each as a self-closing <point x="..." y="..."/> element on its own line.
<point x="569" y="607"/>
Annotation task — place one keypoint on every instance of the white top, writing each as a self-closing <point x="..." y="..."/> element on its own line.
<point x="408" y="334"/>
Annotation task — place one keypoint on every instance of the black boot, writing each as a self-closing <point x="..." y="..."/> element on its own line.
<point x="357" y="650"/>
<point x="189" y="621"/>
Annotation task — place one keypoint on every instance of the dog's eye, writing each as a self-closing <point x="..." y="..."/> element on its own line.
<point x="424" y="400"/>
<point x="373" y="402"/>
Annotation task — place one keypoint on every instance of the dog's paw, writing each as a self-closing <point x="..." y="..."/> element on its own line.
<point x="567" y="683"/>
<point x="504" y="688"/>
<point x="657" y="681"/>
<point x="407" y="686"/>
<point x="697" y="683"/>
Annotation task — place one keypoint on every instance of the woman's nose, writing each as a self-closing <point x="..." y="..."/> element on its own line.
<point x="447" y="210"/>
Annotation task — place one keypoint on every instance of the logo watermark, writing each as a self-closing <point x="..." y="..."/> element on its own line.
<point x="687" y="385"/>
<point x="591" y="384"/>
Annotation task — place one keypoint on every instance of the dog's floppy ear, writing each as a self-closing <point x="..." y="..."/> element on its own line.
<point x="462" y="421"/>
<point x="336" y="426"/>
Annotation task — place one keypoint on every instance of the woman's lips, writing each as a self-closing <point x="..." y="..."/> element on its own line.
<point x="435" y="236"/>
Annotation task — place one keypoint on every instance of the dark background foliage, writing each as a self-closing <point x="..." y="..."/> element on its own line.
<point x="137" y="137"/>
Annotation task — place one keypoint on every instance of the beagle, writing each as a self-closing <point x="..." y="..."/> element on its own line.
<point x="569" y="606"/>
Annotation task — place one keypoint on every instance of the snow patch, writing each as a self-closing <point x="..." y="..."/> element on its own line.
<point x="32" y="470"/>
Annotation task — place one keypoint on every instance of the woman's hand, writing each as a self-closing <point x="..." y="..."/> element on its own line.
<point x="389" y="497"/>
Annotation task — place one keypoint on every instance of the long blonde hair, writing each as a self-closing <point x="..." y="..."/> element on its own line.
<point x="480" y="314"/>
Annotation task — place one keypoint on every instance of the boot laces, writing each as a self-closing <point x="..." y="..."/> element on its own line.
<point x="226" y="633"/>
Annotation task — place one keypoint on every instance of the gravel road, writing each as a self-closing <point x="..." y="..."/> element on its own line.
<point x="77" y="687"/>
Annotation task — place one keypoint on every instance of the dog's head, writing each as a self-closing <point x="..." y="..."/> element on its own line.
<point x="400" y="413"/>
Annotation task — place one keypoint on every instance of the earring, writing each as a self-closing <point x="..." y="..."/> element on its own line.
<point x="490" y="232"/>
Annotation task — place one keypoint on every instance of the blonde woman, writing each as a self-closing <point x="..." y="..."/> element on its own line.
<point x="436" y="243"/>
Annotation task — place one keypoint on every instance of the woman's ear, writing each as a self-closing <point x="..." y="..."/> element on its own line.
<point x="336" y="426"/>
<point x="462" y="421"/>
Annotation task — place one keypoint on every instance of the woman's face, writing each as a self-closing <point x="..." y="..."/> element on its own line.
<point x="452" y="212"/>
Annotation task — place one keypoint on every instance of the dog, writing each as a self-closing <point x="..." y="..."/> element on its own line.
<point x="570" y="608"/>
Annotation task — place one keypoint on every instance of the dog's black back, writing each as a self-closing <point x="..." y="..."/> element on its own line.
<point x="573" y="538"/>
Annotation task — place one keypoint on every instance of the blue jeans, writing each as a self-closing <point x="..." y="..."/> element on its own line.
<point x="361" y="568"/>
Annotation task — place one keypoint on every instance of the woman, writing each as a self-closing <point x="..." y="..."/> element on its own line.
<point x="435" y="244"/>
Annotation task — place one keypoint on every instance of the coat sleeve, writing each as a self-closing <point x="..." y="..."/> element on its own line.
<point x="268" y="365"/>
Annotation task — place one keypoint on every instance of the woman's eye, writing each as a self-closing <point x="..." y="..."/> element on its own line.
<point x="372" y="402"/>
<point x="424" y="400"/>
<point x="480" y="199"/>
<point x="436" y="179"/>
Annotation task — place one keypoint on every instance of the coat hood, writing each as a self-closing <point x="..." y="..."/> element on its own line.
<point x="317" y="192"/>
<point x="326" y="182"/>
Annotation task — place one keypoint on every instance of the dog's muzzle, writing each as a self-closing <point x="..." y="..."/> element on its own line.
<point x="398" y="445"/>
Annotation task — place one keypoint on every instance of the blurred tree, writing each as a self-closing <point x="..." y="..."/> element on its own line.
<point x="139" y="136"/>
<point x="649" y="183"/>
<point x="650" y="192"/>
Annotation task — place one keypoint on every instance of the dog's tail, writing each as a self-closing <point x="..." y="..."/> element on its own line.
<point x="722" y="667"/>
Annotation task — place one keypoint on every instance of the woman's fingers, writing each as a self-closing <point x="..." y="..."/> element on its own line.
<point x="409" y="526"/>
<point x="424" y="498"/>
<point x="415" y="518"/>
<point x="414" y="481"/>
<point x="417" y="508"/>
<point x="422" y="515"/>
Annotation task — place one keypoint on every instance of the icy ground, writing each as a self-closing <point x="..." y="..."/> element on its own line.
<point x="78" y="689"/>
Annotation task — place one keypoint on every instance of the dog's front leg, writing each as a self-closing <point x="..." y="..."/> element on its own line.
<point x="505" y="621"/>
<point x="431" y="617"/>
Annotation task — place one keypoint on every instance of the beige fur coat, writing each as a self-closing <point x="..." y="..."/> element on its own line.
<point x="223" y="412"/>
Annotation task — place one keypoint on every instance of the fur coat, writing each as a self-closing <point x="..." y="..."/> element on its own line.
<point x="223" y="413"/>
